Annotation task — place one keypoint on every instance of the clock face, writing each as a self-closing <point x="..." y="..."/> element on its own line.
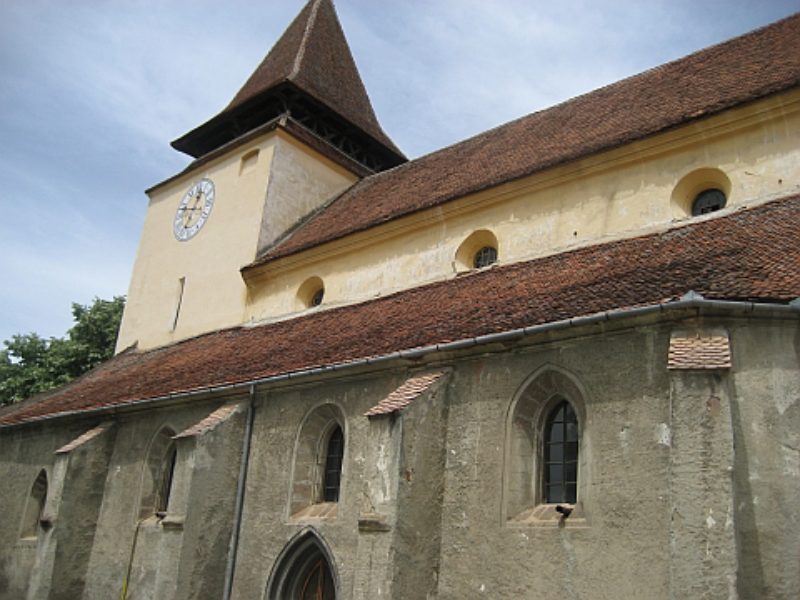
<point x="193" y="210"/>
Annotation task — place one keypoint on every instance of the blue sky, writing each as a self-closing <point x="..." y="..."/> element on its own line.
<point x="91" y="94"/>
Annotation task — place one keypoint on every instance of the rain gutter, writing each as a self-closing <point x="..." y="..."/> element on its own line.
<point x="691" y="300"/>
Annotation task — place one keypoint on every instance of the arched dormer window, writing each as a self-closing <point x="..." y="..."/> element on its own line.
<point x="34" y="507"/>
<point x="701" y="192"/>
<point x="311" y="293"/>
<point x="477" y="251"/>
<point x="560" y="455"/>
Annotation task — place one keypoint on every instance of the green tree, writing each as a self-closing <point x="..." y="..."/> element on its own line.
<point x="29" y="364"/>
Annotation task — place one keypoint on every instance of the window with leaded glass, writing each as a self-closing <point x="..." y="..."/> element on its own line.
<point x="333" y="465"/>
<point x="561" y="440"/>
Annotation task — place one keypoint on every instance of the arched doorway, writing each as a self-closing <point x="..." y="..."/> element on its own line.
<point x="303" y="571"/>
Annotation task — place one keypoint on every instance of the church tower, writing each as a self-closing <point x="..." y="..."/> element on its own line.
<point x="299" y="132"/>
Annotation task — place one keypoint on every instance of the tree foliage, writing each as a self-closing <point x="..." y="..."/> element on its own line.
<point x="29" y="364"/>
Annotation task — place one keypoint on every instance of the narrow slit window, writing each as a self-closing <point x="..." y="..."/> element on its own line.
<point x="333" y="465"/>
<point x="181" y="286"/>
<point x="561" y="441"/>
<point x="166" y="480"/>
<point x="35" y="506"/>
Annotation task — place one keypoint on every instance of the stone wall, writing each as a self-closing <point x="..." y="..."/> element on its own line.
<point x="687" y="481"/>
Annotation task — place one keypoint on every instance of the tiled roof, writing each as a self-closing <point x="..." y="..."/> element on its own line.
<point x="210" y="422"/>
<point x="82" y="439"/>
<point x="409" y="391"/>
<point x="313" y="55"/>
<point x="749" y="254"/>
<point x="752" y="66"/>
<point x="699" y="352"/>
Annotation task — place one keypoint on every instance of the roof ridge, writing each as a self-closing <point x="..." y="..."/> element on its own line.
<point x="704" y="82"/>
<point x="566" y="102"/>
<point x="310" y="60"/>
<point x="301" y="51"/>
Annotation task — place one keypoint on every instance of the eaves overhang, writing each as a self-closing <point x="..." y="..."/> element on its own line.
<point x="690" y="306"/>
<point x="284" y="123"/>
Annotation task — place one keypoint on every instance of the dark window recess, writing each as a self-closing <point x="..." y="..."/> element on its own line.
<point x="561" y="455"/>
<point x="166" y="480"/>
<point x="484" y="257"/>
<point x="333" y="466"/>
<point x="35" y="506"/>
<point x="318" y="583"/>
<point x="316" y="299"/>
<point x="708" y="201"/>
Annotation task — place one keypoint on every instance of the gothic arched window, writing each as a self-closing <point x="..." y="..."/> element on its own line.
<point x="318" y="463"/>
<point x="304" y="572"/>
<point x="545" y="452"/>
<point x="333" y="465"/>
<point x="561" y="441"/>
<point x="167" y="474"/>
<point x="34" y="507"/>
<point x="159" y="471"/>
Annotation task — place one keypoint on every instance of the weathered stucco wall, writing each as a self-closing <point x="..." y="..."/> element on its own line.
<point x="766" y="414"/>
<point x="688" y="477"/>
<point x="181" y="555"/>
<point x="24" y="452"/>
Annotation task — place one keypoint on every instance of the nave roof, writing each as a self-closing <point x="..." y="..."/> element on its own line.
<point x="746" y="68"/>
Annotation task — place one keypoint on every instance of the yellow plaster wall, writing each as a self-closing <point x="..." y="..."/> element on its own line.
<point x="621" y="193"/>
<point x="301" y="181"/>
<point x="255" y="201"/>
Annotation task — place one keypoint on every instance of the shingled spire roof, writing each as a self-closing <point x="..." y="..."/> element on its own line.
<point x="310" y="75"/>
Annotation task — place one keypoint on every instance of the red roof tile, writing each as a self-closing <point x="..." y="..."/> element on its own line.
<point x="752" y="66"/>
<point x="749" y="254"/>
<point x="696" y="352"/>
<point x="207" y="424"/>
<point x="411" y="389"/>
<point x="313" y="55"/>
<point x="82" y="439"/>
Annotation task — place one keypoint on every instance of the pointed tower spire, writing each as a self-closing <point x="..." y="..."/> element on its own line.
<point x="310" y="76"/>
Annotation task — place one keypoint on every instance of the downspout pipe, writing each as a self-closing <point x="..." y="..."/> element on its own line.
<point x="233" y="545"/>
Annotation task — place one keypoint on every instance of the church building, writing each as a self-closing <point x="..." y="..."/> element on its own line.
<point x="560" y="359"/>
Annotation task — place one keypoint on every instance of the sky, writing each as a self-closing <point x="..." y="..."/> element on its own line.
<point x="92" y="92"/>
